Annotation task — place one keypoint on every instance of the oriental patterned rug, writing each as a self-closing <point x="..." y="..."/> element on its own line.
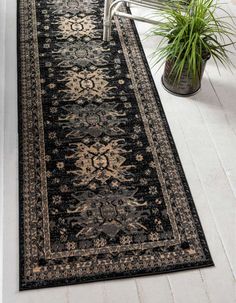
<point x="102" y="191"/>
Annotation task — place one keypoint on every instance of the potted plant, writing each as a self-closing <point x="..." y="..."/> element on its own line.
<point x="191" y="34"/>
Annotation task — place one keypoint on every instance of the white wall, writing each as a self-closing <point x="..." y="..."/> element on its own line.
<point x="10" y="209"/>
<point x="2" y="85"/>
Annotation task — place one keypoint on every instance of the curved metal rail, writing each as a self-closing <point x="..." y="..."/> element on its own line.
<point x="111" y="9"/>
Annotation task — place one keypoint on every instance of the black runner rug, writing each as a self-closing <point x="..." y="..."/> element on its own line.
<point x="102" y="191"/>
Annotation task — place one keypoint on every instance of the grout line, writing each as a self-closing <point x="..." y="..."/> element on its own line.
<point x="104" y="292"/>
<point x="221" y="164"/>
<point x="205" y="286"/>
<point x="140" y="297"/>
<point x="171" y="290"/>
<point x="209" y="206"/>
<point x="222" y="106"/>
<point x="67" y="294"/>
<point x="213" y="141"/>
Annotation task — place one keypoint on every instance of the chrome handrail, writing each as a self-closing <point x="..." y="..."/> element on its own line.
<point x="111" y="9"/>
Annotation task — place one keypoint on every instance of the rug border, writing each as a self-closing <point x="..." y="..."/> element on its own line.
<point x="181" y="171"/>
<point x="112" y="276"/>
<point x="20" y="165"/>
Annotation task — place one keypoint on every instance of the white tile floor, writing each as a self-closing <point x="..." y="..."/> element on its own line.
<point x="204" y="129"/>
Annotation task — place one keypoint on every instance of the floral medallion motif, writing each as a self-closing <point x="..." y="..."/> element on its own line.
<point x="109" y="212"/>
<point x="73" y="6"/>
<point x="87" y="85"/>
<point x="93" y="120"/>
<point x="81" y="54"/>
<point x="100" y="162"/>
<point x="76" y="26"/>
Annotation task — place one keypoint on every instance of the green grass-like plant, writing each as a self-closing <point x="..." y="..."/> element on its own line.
<point x="191" y="32"/>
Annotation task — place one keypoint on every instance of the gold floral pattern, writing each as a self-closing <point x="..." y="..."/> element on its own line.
<point x="87" y="85"/>
<point x="100" y="162"/>
<point x="76" y="26"/>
